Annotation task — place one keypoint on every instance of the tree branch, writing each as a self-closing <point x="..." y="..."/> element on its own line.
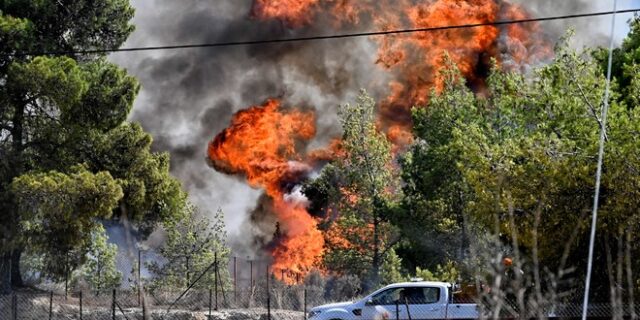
<point x="36" y="105"/>
<point x="390" y="245"/>
<point x="589" y="104"/>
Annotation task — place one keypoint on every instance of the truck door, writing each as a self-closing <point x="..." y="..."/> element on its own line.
<point x="386" y="305"/>
<point x="425" y="303"/>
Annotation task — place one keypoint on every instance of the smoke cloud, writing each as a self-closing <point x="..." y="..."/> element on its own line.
<point x="589" y="32"/>
<point x="190" y="95"/>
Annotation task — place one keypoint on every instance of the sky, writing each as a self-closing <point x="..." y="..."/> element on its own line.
<point x="622" y="28"/>
<point x="188" y="96"/>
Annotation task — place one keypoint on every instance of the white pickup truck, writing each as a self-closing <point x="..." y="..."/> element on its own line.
<point x="400" y="301"/>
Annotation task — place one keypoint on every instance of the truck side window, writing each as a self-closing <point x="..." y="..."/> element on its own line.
<point x="431" y="294"/>
<point x="409" y="295"/>
<point x="420" y="295"/>
<point x="388" y="297"/>
<point x="413" y="296"/>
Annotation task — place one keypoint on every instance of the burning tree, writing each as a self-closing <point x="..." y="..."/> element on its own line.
<point x="361" y="185"/>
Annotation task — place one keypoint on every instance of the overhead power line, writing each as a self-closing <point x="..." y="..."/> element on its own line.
<point x="319" y="37"/>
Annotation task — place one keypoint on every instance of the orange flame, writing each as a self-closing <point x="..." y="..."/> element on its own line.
<point x="260" y="144"/>
<point x="294" y="13"/>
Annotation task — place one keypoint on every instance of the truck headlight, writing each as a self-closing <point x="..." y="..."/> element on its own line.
<point x="313" y="313"/>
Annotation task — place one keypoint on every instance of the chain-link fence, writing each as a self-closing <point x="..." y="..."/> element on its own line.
<point x="295" y="302"/>
<point x="252" y="289"/>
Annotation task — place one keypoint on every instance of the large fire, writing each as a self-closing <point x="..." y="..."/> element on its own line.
<point x="260" y="144"/>
<point x="261" y="141"/>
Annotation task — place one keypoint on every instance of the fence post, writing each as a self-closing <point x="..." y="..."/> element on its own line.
<point x="50" y="304"/>
<point x="210" y="294"/>
<point x="66" y="276"/>
<point x="139" y="278"/>
<point x="113" y="305"/>
<point x="80" y="304"/>
<point x="250" y="298"/>
<point x="304" y="297"/>
<point x="268" y="296"/>
<point x="14" y="306"/>
<point x="235" y="283"/>
<point x="144" y="307"/>
<point x="210" y="302"/>
<point x="251" y="273"/>
<point x="215" y="277"/>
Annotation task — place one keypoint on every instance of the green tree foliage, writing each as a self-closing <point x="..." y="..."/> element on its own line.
<point x="58" y="213"/>
<point x="625" y="63"/>
<point x="192" y="246"/>
<point x="38" y="26"/>
<point x="365" y="168"/>
<point x="100" y="271"/>
<point x="391" y="269"/>
<point x="446" y="272"/>
<point x="60" y="111"/>
<point x="361" y="188"/>
<point x="523" y="157"/>
<point x="151" y="194"/>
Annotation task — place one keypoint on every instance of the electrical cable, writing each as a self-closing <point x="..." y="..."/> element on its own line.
<point x="313" y="38"/>
<point x="603" y="132"/>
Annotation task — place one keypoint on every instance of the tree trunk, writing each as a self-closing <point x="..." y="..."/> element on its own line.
<point x="187" y="270"/>
<point x="375" y="265"/>
<point x="16" y="275"/>
<point x="464" y="241"/>
<point x="462" y="222"/>
<point x="5" y="273"/>
<point x="12" y="258"/>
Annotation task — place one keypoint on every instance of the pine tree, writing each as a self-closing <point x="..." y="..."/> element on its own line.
<point x="391" y="269"/>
